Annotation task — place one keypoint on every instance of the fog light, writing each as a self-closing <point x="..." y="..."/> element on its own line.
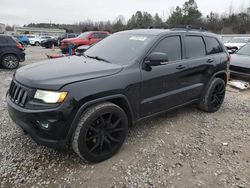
<point x="43" y="125"/>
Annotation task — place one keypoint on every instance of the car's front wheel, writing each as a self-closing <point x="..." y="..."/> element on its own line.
<point x="10" y="61"/>
<point x="101" y="132"/>
<point x="214" y="96"/>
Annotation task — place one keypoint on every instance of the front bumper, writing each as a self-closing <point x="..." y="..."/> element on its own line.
<point x="56" y="136"/>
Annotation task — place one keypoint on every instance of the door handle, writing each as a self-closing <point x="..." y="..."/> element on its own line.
<point x="179" y="67"/>
<point x="210" y="60"/>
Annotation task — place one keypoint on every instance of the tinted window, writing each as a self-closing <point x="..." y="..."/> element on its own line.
<point x="102" y="35"/>
<point x="213" y="46"/>
<point x="195" y="47"/>
<point x="171" y="46"/>
<point x="95" y="36"/>
<point x="72" y="36"/>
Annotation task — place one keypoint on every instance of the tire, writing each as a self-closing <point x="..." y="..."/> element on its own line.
<point x="10" y="61"/>
<point x="37" y="44"/>
<point x="100" y="133"/>
<point x="214" y="96"/>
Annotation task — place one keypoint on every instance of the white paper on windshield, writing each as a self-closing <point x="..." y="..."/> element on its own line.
<point x="138" y="38"/>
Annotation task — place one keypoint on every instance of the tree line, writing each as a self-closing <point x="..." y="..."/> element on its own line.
<point x="188" y="14"/>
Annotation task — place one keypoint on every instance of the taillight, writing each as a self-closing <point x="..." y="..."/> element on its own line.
<point x="18" y="45"/>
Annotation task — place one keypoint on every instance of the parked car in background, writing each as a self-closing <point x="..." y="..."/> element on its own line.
<point x="67" y="36"/>
<point x="86" y="38"/>
<point x="236" y="43"/>
<point x="22" y="39"/>
<point x="49" y="43"/>
<point x="36" y="40"/>
<point x="11" y="52"/>
<point x="240" y="62"/>
<point x="127" y="77"/>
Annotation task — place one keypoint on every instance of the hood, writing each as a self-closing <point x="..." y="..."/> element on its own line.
<point x="240" y="60"/>
<point x="69" y="40"/>
<point x="54" y="74"/>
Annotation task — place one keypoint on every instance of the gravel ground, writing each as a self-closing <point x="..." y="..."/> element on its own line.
<point x="184" y="148"/>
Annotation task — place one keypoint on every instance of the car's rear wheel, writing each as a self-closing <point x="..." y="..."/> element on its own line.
<point x="101" y="132"/>
<point x="214" y="96"/>
<point x="10" y="61"/>
<point x="37" y="43"/>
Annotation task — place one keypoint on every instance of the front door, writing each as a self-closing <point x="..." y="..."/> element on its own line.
<point x="167" y="85"/>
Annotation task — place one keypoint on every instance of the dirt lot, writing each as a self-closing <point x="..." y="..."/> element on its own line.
<point x="184" y="148"/>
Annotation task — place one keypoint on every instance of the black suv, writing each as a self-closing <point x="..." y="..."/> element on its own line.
<point x="89" y="101"/>
<point x="11" y="52"/>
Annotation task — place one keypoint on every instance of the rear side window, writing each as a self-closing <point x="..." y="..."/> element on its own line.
<point x="102" y="35"/>
<point x="95" y="36"/>
<point x="171" y="46"/>
<point x="195" y="47"/>
<point x="213" y="46"/>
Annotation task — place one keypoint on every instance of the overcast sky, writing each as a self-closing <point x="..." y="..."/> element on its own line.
<point x="72" y="11"/>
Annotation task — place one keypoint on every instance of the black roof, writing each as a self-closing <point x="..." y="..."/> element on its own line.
<point x="166" y="31"/>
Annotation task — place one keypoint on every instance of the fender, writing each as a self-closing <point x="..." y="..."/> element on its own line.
<point x="217" y="74"/>
<point x="225" y="73"/>
<point x="90" y="103"/>
<point x="9" y="52"/>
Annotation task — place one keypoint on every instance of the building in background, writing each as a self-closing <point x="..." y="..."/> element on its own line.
<point x="39" y="31"/>
<point x="2" y="28"/>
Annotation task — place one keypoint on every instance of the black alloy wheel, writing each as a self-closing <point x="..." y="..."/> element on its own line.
<point x="100" y="132"/>
<point x="10" y="61"/>
<point x="104" y="134"/>
<point x="217" y="96"/>
<point x="213" y="96"/>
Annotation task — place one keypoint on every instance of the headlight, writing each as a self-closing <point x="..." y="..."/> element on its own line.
<point x="50" y="96"/>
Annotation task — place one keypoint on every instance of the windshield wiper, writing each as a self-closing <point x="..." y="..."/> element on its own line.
<point x="98" y="58"/>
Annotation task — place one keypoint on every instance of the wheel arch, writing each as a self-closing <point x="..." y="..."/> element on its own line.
<point x="8" y="53"/>
<point x="222" y="74"/>
<point x="119" y="100"/>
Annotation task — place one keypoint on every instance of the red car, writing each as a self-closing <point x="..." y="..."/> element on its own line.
<point x="86" y="38"/>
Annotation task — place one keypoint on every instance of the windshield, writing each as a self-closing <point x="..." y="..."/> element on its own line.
<point x="239" y="40"/>
<point x="83" y="35"/>
<point x="120" y="48"/>
<point x="245" y="50"/>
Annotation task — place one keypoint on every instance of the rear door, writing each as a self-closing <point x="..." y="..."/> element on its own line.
<point x="199" y="63"/>
<point x="94" y="38"/>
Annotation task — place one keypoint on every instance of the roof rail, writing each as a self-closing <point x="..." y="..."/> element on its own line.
<point x="177" y="27"/>
<point x="188" y="27"/>
<point x="158" y="27"/>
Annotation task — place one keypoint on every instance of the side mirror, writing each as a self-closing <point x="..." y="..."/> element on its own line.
<point x="156" y="58"/>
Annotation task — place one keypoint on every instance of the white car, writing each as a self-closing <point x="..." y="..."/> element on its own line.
<point x="36" y="40"/>
<point x="237" y="42"/>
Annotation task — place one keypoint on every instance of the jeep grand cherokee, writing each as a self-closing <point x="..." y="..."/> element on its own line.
<point x="89" y="101"/>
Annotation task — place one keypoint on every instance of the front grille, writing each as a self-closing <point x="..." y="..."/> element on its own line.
<point x="240" y="69"/>
<point x="18" y="94"/>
